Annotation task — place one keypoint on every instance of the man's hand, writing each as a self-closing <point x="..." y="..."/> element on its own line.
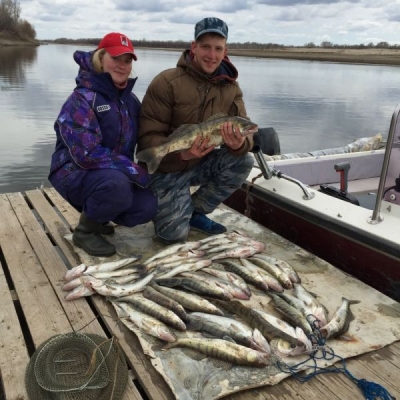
<point x="232" y="137"/>
<point x="199" y="149"/>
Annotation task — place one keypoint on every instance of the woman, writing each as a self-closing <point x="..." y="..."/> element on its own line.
<point x="92" y="166"/>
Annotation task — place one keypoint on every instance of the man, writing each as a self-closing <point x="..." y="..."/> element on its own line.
<point x="202" y="85"/>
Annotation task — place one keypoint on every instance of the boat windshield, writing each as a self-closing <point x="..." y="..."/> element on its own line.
<point x="392" y="180"/>
<point x="389" y="183"/>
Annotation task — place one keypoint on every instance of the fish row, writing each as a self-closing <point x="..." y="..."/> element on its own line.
<point x="127" y="276"/>
<point x="250" y="337"/>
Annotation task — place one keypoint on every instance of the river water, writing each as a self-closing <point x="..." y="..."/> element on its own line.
<point x="311" y="105"/>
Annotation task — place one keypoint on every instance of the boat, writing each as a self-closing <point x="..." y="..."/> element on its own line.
<point x="344" y="208"/>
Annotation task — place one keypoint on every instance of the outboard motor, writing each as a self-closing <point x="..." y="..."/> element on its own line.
<point x="341" y="193"/>
<point x="268" y="141"/>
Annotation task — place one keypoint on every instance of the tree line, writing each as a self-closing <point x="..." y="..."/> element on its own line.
<point x="181" y="44"/>
<point x="11" y="23"/>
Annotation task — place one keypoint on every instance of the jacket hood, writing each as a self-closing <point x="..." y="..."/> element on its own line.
<point x="99" y="82"/>
<point x="226" y="71"/>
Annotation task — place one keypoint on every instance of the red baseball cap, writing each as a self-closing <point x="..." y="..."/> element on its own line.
<point x="116" y="44"/>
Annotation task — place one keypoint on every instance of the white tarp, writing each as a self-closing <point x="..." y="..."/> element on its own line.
<point x="193" y="376"/>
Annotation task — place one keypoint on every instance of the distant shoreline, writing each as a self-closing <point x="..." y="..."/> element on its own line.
<point x="351" y="56"/>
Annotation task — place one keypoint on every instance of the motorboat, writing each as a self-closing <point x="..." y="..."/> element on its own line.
<point x="343" y="208"/>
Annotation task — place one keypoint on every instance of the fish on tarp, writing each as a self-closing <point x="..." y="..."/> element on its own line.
<point x="152" y="294"/>
<point x="197" y="286"/>
<point x="225" y="327"/>
<point x="191" y="301"/>
<point x="270" y="280"/>
<point x="105" y="266"/>
<point x="110" y="289"/>
<point x="233" y="290"/>
<point x="136" y="319"/>
<point x="231" y="277"/>
<point x="294" y="315"/>
<point x="263" y="261"/>
<point x="283" y="265"/>
<point x="184" y="137"/>
<point x="319" y="311"/>
<point x="152" y="308"/>
<point x="224" y="350"/>
<point x="246" y="274"/>
<point x="281" y="346"/>
<point x="183" y="268"/>
<point x="256" y="321"/>
<point x="340" y="322"/>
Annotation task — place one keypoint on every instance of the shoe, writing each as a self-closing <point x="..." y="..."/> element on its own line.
<point x="86" y="236"/>
<point x="200" y="222"/>
<point x="106" y="229"/>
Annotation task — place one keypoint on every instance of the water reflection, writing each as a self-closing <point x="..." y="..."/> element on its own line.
<point x="13" y="63"/>
<point x="311" y="105"/>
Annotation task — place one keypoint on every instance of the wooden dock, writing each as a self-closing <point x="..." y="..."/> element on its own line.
<point x="33" y="259"/>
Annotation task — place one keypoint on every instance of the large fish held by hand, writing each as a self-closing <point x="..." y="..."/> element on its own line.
<point x="183" y="137"/>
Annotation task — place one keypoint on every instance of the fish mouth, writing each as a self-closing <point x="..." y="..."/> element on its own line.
<point x="251" y="129"/>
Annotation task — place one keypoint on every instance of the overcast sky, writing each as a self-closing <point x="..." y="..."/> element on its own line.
<point x="288" y="22"/>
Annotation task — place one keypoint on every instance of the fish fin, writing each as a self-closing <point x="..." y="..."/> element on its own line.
<point x="225" y="365"/>
<point x="179" y="132"/>
<point x="229" y="339"/>
<point x="193" y="324"/>
<point x="345" y="337"/>
<point x="169" y="282"/>
<point x="217" y="116"/>
<point x="151" y="157"/>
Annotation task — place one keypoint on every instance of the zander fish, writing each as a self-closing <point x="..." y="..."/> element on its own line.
<point x="224" y="350"/>
<point x="224" y="327"/>
<point x="148" y="324"/>
<point x="183" y="137"/>
<point x="256" y="321"/>
<point x="340" y="321"/>
<point x="152" y="308"/>
<point x="197" y="286"/>
<point x="152" y="294"/>
<point x="190" y="301"/>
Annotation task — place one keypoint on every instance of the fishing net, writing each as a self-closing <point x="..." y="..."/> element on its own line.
<point x="77" y="366"/>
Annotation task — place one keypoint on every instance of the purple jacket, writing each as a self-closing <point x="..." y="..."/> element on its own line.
<point x="97" y="128"/>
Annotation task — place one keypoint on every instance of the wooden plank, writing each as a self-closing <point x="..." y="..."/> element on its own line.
<point x="151" y="381"/>
<point x="65" y="209"/>
<point x="51" y="256"/>
<point x="13" y="352"/>
<point x="43" y="312"/>
<point x="78" y="312"/>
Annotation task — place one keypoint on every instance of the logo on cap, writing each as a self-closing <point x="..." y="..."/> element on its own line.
<point x="124" y="41"/>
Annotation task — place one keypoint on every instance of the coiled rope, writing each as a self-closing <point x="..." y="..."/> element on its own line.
<point x="370" y="390"/>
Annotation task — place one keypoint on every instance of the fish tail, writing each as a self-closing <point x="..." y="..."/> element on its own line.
<point x="151" y="157"/>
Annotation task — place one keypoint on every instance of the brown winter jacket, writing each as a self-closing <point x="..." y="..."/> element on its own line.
<point x="183" y="95"/>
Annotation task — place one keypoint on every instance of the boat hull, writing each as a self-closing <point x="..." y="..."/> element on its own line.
<point x="372" y="260"/>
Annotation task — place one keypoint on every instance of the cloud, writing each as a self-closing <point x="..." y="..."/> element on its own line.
<point x="288" y="22"/>
<point x="286" y="3"/>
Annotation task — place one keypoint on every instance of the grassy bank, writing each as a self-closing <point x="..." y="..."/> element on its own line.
<point x="9" y="39"/>
<point x="354" y="56"/>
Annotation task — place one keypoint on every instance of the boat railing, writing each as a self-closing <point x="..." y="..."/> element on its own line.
<point x="376" y="218"/>
<point x="268" y="173"/>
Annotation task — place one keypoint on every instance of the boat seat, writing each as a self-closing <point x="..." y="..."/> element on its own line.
<point x="314" y="171"/>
